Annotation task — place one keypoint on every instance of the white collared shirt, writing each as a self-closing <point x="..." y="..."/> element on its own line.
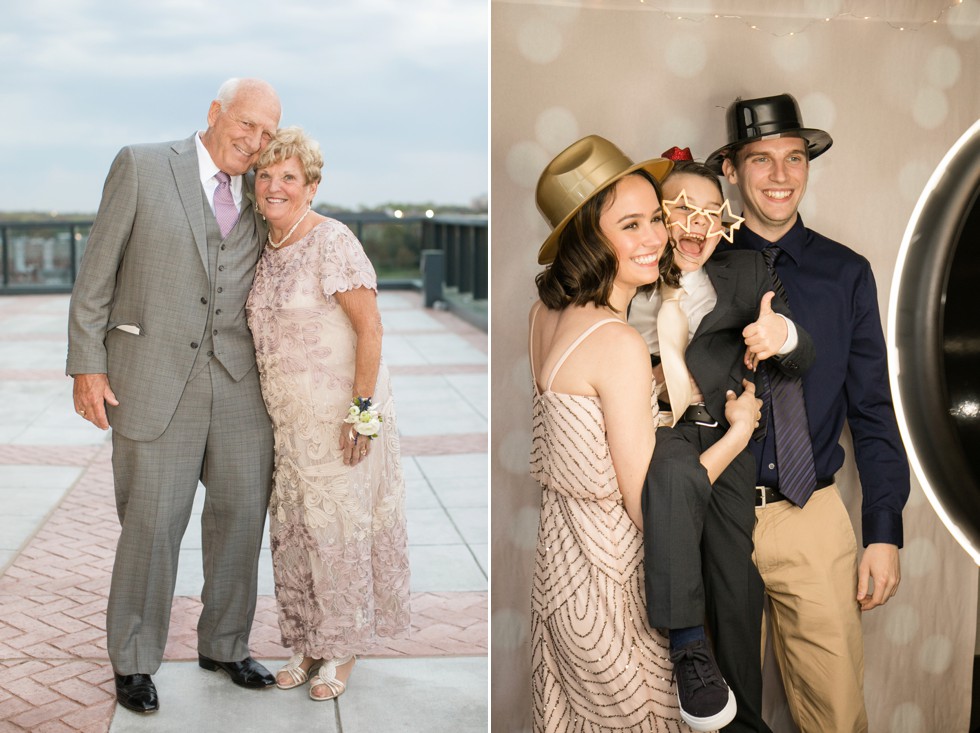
<point x="207" y="170"/>
<point x="698" y="301"/>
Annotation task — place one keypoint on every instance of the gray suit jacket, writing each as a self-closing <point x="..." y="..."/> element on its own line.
<point x="146" y="265"/>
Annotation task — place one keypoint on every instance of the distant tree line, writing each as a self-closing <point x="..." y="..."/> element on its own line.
<point x="391" y="233"/>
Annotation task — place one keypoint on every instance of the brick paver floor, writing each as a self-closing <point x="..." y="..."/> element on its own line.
<point x="55" y="675"/>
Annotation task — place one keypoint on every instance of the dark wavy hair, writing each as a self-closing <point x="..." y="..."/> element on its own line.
<point x="585" y="265"/>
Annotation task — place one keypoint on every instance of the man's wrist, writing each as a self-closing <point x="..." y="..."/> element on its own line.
<point x="792" y="337"/>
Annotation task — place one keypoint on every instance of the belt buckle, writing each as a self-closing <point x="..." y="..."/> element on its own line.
<point x="762" y="497"/>
<point x="712" y="424"/>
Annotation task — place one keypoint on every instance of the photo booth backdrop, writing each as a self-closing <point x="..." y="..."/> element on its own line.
<point x="895" y="88"/>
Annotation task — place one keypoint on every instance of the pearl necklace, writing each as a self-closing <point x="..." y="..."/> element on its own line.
<point x="281" y="242"/>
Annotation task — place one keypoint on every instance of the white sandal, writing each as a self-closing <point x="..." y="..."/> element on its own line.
<point x="297" y="674"/>
<point x="327" y="677"/>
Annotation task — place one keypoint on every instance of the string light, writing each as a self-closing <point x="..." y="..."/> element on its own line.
<point x="753" y="24"/>
<point x="649" y="6"/>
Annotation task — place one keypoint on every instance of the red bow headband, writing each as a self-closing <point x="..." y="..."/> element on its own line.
<point x="677" y="154"/>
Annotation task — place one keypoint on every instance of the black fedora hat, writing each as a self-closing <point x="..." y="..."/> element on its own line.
<point x="755" y="119"/>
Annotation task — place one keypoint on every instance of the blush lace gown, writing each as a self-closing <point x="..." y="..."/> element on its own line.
<point x="596" y="665"/>
<point x="338" y="537"/>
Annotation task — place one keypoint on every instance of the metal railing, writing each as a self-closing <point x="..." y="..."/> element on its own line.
<point x="463" y="242"/>
<point x="43" y="257"/>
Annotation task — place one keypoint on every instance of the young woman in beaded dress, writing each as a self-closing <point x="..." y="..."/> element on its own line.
<point x="597" y="666"/>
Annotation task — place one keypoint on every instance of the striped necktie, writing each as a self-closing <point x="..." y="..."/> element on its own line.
<point x="794" y="450"/>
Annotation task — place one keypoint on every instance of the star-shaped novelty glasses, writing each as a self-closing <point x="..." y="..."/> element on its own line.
<point x="726" y="224"/>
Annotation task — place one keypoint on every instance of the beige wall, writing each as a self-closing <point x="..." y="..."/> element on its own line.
<point x="894" y="101"/>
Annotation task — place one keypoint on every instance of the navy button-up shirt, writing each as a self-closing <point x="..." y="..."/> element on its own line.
<point x="832" y="294"/>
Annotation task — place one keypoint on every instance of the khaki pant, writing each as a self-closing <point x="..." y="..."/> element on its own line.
<point x="808" y="561"/>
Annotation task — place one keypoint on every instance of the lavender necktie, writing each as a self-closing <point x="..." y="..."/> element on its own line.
<point x="794" y="450"/>
<point x="224" y="206"/>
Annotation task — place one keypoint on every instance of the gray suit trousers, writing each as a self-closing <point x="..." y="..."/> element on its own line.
<point x="221" y="436"/>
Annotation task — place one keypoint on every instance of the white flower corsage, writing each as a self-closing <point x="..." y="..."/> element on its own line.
<point x="363" y="419"/>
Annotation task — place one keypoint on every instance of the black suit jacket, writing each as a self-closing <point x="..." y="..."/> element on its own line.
<point x="677" y="493"/>
<point x="715" y="354"/>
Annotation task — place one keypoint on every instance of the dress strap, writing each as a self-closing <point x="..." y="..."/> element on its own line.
<point x="574" y="345"/>
<point x="530" y="342"/>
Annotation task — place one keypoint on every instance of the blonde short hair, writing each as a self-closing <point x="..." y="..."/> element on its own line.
<point x="292" y="142"/>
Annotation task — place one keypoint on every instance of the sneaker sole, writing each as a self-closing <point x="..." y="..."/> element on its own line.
<point x="719" y="720"/>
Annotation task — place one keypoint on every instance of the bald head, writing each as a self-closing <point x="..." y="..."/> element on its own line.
<point x="242" y="120"/>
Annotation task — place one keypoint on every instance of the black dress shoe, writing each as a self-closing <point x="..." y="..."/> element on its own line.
<point x="137" y="692"/>
<point x="246" y="673"/>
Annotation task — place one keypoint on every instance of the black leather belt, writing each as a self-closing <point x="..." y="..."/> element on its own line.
<point x="699" y="415"/>
<point x="768" y="495"/>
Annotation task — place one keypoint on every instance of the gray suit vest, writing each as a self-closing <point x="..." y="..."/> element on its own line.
<point x="231" y="266"/>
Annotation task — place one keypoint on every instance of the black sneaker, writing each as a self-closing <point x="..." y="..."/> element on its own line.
<point x="705" y="699"/>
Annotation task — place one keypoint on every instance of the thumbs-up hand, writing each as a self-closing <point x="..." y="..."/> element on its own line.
<point x="766" y="335"/>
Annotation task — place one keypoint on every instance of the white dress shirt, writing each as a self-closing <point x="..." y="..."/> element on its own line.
<point x="699" y="300"/>
<point x="207" y="170"/>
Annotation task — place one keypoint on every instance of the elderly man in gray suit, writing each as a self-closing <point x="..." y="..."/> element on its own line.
<point x="159" y="349"/>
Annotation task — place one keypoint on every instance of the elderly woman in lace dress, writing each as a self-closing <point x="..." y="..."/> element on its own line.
<point x="337" y="512"/>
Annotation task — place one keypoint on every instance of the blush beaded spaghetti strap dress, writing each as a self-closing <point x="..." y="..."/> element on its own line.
<point x="597" y="666"/>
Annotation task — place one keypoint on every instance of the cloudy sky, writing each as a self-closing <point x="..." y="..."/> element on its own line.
<point x="396" y="92"/>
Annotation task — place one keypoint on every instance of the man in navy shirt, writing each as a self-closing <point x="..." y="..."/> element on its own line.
<point x="805" y="548"/>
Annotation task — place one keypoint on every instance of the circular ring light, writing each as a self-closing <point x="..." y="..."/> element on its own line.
<point x="934" y="340"/>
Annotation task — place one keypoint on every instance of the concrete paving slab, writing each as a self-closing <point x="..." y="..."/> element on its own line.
<point x="15" y="530"/>
<point x="467" y="491"/>
<point x="399" y="352"/>
<point x="29" y="502"/>
<point x="431" y="349"/>
<point x="392" y="300"/>
<point x="440" y="568"/>
<point x="34" y="355"/>
<point x="473" y="389"/>
<point x="419" y="495"/>
<point x="481" y="552"/>
<point x="431" y="527"/>
<point x="460" y="465"/>
<point x="410" y="320"/>
<point x="411" y="470"/>
<point x="38" y="477"/>
<point x="425" y="418"/>
<point x="445" y="348"/>
<point x="471" y="522"/>
<point x="435" y="695"/>
<point x="72" y="431"/>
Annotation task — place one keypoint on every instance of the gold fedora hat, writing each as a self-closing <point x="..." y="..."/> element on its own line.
<point x="578" y="173"/>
